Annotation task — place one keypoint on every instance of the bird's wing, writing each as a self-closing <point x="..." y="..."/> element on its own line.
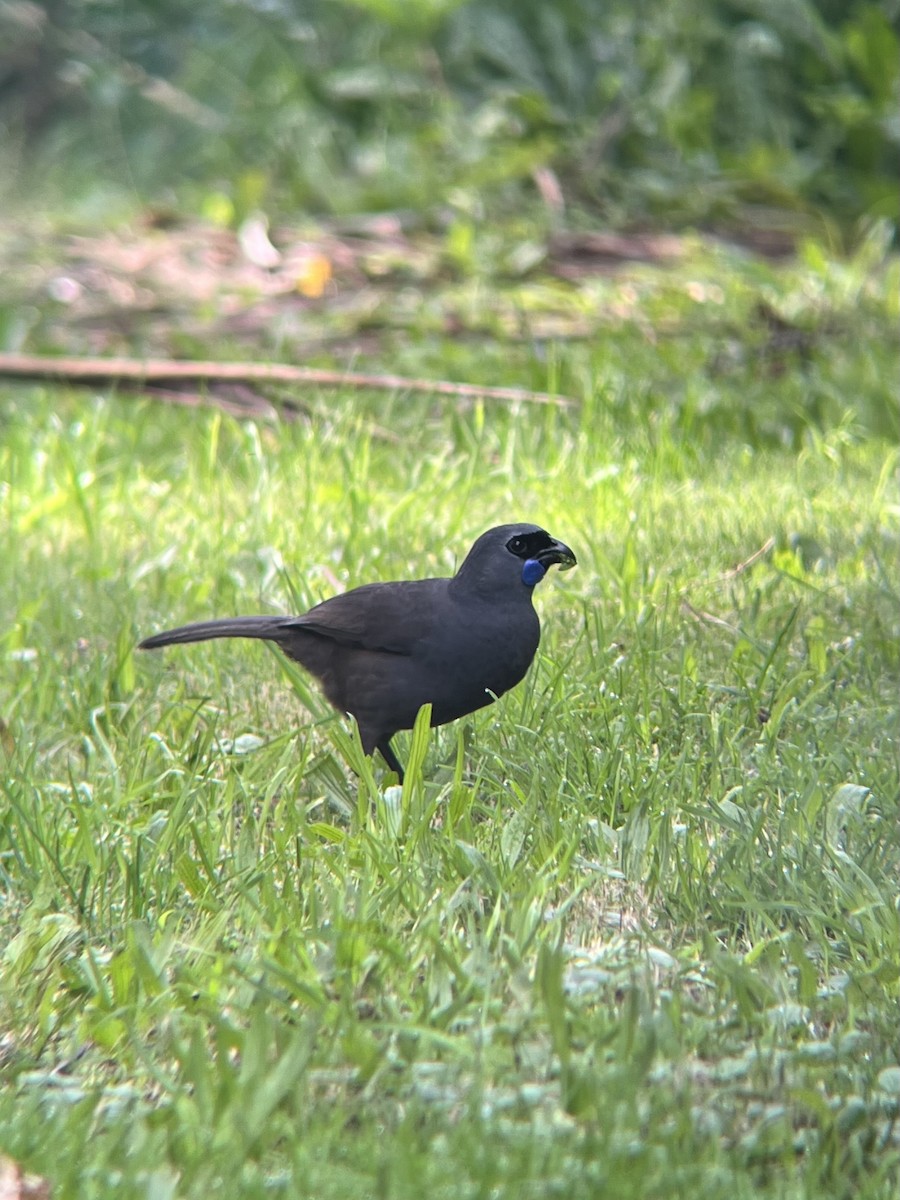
<point x="389" y="617"/>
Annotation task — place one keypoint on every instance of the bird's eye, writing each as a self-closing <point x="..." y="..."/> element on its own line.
<point x="515" y="545"/>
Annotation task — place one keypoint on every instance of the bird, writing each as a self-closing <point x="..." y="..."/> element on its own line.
<point x="383" y="650"/>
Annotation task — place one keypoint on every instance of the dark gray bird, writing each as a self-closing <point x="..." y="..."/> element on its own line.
<point x="383" y="650"/>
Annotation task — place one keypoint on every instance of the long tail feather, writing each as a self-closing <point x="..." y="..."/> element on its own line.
<point x="268" y="628"/>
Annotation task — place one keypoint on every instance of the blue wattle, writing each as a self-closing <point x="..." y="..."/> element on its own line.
<point x="533" y="572"/>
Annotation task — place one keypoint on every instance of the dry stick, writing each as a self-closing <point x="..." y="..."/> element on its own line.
<point x="709" y="618"/>
<point x="263" y="408"/>
<point x="155" y="371"/>
<point x="748" y="562"/>
<point x="706" y="618"/>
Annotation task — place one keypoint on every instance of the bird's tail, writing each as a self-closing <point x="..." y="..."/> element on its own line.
<point x="271" y="629"/>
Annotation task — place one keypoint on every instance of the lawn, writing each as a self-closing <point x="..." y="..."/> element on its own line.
<point x="631" y="932"/>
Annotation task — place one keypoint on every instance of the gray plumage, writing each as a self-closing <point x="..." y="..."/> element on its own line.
<point x="383" y="650"/>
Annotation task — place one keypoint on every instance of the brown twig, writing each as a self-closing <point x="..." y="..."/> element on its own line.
<point x="706" y="618"/>
<point x="748" y="562"/>
<point x="260" y="407"/>
<point x="164" y="373"/>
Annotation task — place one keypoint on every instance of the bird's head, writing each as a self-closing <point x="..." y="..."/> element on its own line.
<point x="513" y="555"/>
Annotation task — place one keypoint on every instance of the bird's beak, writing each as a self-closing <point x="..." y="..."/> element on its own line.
<point x="558" y="553"/>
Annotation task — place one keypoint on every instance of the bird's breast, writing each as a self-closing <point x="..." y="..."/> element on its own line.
<point x="482" y="654"/>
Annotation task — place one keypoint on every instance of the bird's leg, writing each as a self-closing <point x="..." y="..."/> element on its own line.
<point x="387" y="753"/>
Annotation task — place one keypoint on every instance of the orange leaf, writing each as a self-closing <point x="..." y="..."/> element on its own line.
<point x="313" y="276"/>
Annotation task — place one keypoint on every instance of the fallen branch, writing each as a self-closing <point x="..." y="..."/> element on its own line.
<point x="167" y="375"/>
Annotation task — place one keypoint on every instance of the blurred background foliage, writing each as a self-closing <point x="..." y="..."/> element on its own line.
<point x="647" y="112"/>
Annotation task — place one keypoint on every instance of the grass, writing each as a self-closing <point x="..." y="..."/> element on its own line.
<point x="631" y="932"/>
